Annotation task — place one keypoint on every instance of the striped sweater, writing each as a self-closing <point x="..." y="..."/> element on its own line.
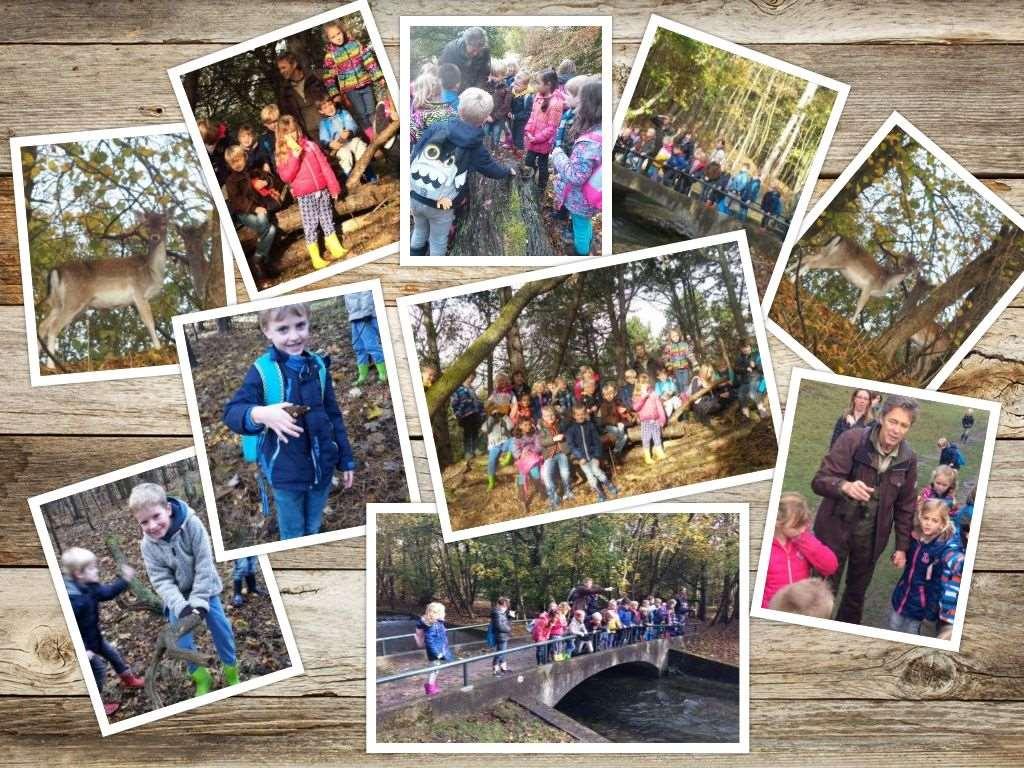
<point x="349" y="66"/>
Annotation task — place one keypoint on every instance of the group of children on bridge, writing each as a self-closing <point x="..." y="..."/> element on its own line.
<point x="550" y="119"/>
<point x="550" y="426"/>
<point x="678" y="160"/>
<point x="567" y="629"/>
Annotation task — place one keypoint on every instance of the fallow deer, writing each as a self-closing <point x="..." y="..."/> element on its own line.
<point x="195" y="237"/>
<point x="860" y="269"/>
<point x="108" y="283"/>
<point x="930" y="342"/>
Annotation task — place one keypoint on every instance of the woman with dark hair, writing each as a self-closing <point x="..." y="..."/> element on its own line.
<point x="858" y="414"/>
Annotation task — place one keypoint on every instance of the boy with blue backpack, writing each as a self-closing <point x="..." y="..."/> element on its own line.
<point x="288" y="415"/>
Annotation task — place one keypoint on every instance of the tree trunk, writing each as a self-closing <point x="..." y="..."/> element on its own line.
<point x="570" y="322"/>
<point x="777" y="157"/>
<point x="513" y="339"/>
<point x="503" y="219"/>
<point x="702" y="605"/>
<point x="146" y="597"/>
<point x="438" y="418"/>
<point x="355" y="176"/>
<point x="475" y="353"/>
<point x="289" y="220"/>
<point x="739" y="321"/>
<point x="223" y="325"/>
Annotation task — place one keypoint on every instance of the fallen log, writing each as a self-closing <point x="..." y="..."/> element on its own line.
<point x="364" y="198"/>
<point x="167" y="648"/>
<point x="144" y="596"/>
<point x="360" y="166"/>
<point x="503" y="219"/>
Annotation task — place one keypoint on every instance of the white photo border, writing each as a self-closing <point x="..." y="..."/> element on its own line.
<point x="106" y="727"/>
<point x="896" y="120"/>
<point x="195" y="422"/>
<point x="628" y="502"/>
<point x="36" y="378"/>
<point x="798" y="376"/>
<point x="406" y="25"/>
<point x="740" y="747"/>
<point x="842" y="91"/>
<point x="176" y="75"/>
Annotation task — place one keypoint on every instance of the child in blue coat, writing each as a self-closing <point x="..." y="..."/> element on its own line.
<point x="298" y="454"/>
<point x="432" y="637"/>
<point x="584" y="444"/>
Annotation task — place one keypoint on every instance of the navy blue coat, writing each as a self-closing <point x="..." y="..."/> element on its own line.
<point x="583" y="440"/>
<point x="470" y="139"/>
<point x="85" y="602"/>
<point x="308" y="461"/>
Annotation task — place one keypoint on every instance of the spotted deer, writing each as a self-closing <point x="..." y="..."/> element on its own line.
<point x="108" y="283"/>
<point x="860" y="269"/>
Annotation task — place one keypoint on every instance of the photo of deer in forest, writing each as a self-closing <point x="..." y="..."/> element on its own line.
<point x="158" y="625"/>
<point x="640" y="377"/>
<point x="298" y="135"/>
<point x="901" y="267"/>
<point x="118" y="234"/>
<point x="713" y="137"/>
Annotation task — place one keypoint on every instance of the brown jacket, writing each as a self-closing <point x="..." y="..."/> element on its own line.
<point x="851" y="458"/>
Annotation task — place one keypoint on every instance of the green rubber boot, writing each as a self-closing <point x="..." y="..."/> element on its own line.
<point x="490" y="482"/>
<point x="203" y="679"/>
<point x="364" y="372"/>
<point x="230" y="674"/>
<point x="382" y="372"/>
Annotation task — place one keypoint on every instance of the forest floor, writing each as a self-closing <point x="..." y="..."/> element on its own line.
<point x="367" y="410"/>
<point x="729" y="446"/>
<point x="503" y="722"/>
<point x="166" y="355"/>
<point x="133" y="629"/>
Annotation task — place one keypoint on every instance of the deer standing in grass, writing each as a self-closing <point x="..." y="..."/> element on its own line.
<point x="108" y="283"/>
<point x="860" y="269"/>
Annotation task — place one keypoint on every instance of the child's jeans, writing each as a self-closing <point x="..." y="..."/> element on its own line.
<point x="620" y="436"/>
<point x="471" y="434"/>
<point x="505" y="446"/>
<point x="500" y="645"/>
<point x="243" y="566"/>
<point x="220" y="630"/>
<point x="518" y="133"/>
<point x="264" y="229"/>
<point x="582" y="234"/>
<point x="430" y="226"/>
<point x="593" y="472"/>
<point x="99" y="666"/>
<point x="493" y="131"/>
<point x="650" y="433"/>
<point x="540" y="162"/>
<point x="558" y="463"/>
<point x="900" y="623"/>
<point x="542" y="655"/>
<point x="682" y="379"/>
<point x="300" y="513"/>
<point x="366" y="341"/>
<point x="363" y="104"/>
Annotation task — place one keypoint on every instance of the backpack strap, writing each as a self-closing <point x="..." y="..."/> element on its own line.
<point x="272" y="378"/>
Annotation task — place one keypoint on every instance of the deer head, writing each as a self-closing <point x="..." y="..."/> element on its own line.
<point x="195" y="237"/>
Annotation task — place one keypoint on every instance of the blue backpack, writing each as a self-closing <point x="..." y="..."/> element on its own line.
<point x="273" y="392"/>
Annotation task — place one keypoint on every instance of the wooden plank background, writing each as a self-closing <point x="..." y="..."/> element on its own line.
<point x="953" y="69"/>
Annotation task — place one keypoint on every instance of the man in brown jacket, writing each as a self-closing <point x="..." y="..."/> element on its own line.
<point x="868" y="481"/>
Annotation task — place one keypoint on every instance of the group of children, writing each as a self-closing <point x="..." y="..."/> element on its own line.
<point x="678" y="160"/>
<point x="562" y="631"/>
<point x="260" y="171"/>
<point x="929" y="586"/>
<point x="179" y="561"/>
<point x="549" y="426"/>
<point x="547" y="118"/>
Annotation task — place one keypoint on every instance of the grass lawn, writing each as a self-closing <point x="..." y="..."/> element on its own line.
<point x="818" y="407"/>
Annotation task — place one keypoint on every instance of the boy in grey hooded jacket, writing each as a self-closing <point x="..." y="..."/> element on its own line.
<point x="179" y="560"/>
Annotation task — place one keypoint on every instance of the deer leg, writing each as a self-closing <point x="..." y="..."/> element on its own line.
<point x="865" y="297"/>
<point x="146" y="314"/>
<point x="57" y="319"/>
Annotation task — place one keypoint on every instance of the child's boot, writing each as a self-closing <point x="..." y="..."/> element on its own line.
<point x="382" y="372"/>
<point x="203" y="679"/>
<point x="237" y="598"/>
<point x="130" y="680"/>
<point x="612" y="488"/>
<point x="364" y="373"/>
<point x="314" y="256"/>
<point x="335" y="247"/>
<point x="490" y="482"/>
<point x="250" y="585"/>
<point x="230" y="674"/>
<point x="647" y="456"/>
<point x="110" y="707"/>
<point x="659" y="453"/>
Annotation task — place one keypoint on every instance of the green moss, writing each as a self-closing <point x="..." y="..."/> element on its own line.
<point x="513" y="229"/>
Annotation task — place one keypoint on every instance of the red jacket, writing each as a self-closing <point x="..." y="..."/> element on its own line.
<point x="309" y="172"/>
<point x="793" y="561"/>
<point x="541" y="629"/>
<point x="543" y="124"/>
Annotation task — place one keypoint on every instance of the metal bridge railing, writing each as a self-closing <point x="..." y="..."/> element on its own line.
<point x="385" y="640"/>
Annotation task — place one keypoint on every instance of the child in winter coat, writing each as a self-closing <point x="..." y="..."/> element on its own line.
<point x="942" y="486"/>
<point x="520" y="107"/>
<point x="529" y="456"/>
<point x="432" y="637"/>
<point x="613" y="419"/>
<point x="556" y="461"/>
<point x="301" y="164"/>
<point x="585" y="446"/>
<point x="362" y="316"/>
<point x="795" y="550"/>
<point x="179" y="561"/>
<point x="651" y="414"/>
<point x="339" y="136"/>
<point x="502" y="96"/>
<point x="677" y="353"/>
<point x="580" y="633"/>
<point x="298" y="455"/>
<point x="578" y="186"/>
<point x="501" y="629"/>
<point x="469" y="413"/>
<point x="267" y="141"/>
<point x="428" y="108"/>
<point x="930" y="584"/>
<point x="557" y="627"/>
<point x="543" y="124"/>
<point x="540" y="631"/>
<point x="248" y="209"/>
<point x="499" y="424"/>
<point x="86" y="592"/>
<point x="665" y="389"/>
<point x="350" y="71"/>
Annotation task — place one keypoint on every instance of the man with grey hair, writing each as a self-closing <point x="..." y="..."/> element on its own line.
<point x="868" y="481"/>
<point x="470" y="53"/>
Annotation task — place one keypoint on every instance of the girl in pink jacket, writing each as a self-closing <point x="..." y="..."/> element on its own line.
<point x="795" y="550"/>
<point x="543" y="125"/>
<point x="302" y="165"/>
<point x="651" y="414"/>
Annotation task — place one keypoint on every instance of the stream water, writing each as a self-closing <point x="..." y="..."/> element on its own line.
<point x="626" y="705"/>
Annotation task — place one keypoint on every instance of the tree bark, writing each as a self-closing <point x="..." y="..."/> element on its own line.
<point x="513" y="339"/>
<point x="503" y="219"/>
<point x="475" y="353"/>
<point x="146" y="597"/>
<point x="570" y="322"/>
<point x="438" y="418"/>
<point x="739" y="321"/>
<point x="289" y="220"/>
<point x="355" y="176"/>
<point x="777" y="157"/>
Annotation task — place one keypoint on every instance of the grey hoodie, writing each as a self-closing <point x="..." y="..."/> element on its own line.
<point x="181" y="565"/>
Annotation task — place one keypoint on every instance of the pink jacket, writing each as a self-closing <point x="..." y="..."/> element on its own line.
<point x="541" y="629"/>
<point x="543" y="125"/>
<point x="557" y="625"/>
<point x="309" y="172"/>
<point x="793" y="562"/>
<point x="649" y="408"/>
